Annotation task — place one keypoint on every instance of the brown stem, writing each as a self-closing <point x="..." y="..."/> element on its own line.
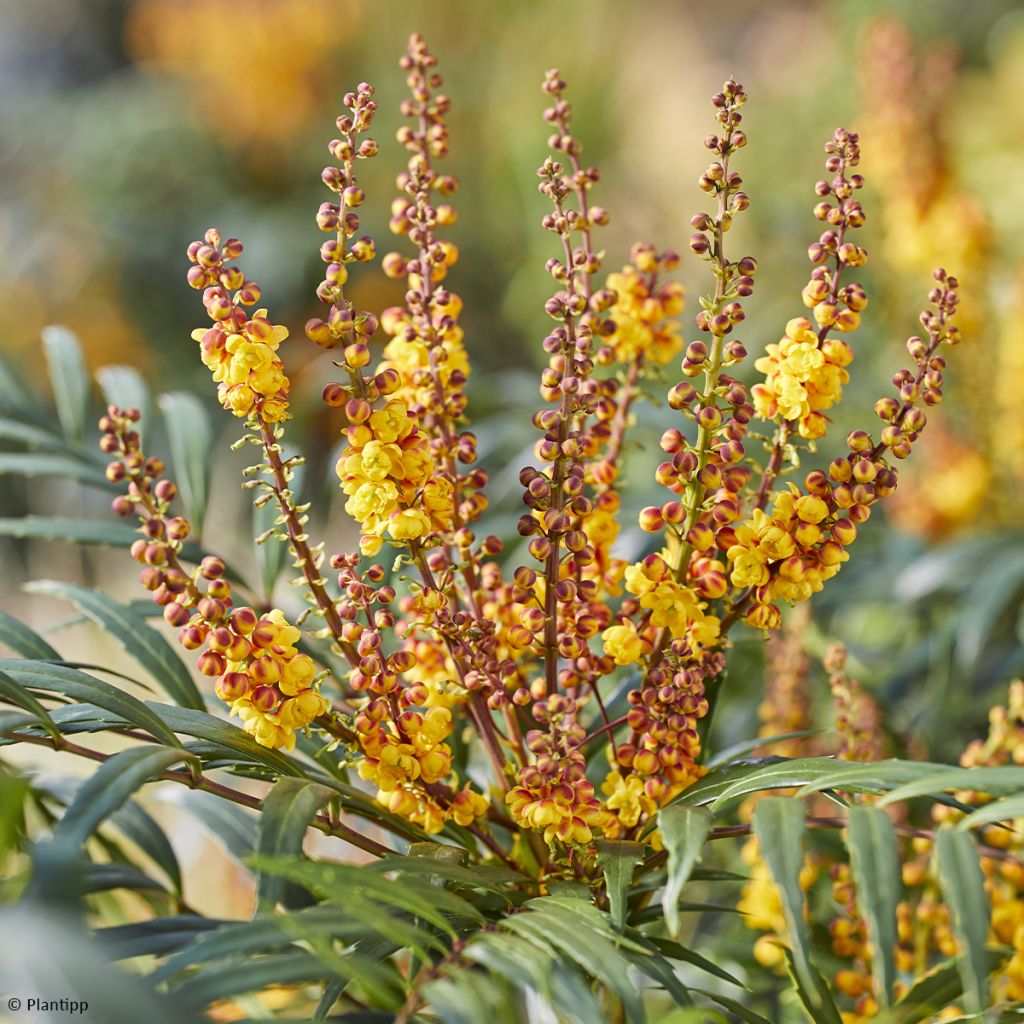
<point x="557" y="500"/>
<point x="607" y="727"/>
<point x="696" y="489"/>
<point x="304" y="557"/>
<point x="321" y="822"/>
<point x="618" y="432"/>
<point x="476" y="705"/>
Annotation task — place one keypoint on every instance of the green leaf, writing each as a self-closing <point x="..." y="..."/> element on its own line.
<point x="191" y="440"/>
<point x="157" y="937"/>
<point x="735" y="782"/>
<point x="43" y="946"/>
<point x="137" y="825"/>
<point x="875" y="777"/>
<point x="675" y="951"/>
<point x="1005" y="779"/>
<point x="814" y="993"/>
<point x="377" y="978"/>
<point x="24" y="641"/>
<point x="126" y="388"/>
<point x="744" y="747"/>
<point x="104" y="877"/>
<point x="109" y="787"/>
<point x="874" y="859"/>
<point x="32" y="464"/>
<point x="24" y="699"/>
<point x="101" y="532"/>
<point x="41" y="675"/>
<point x="618" y="861"/>
<point x="683" y="831"/>
<point x="472" y="996"/>
<point x="692" y="1015"/>
<point x="287" y="809"/>
<point x="595" y="954"/>
<point x="779" y="825"/>
<point x="14" y="797"/>
<point x="737" y="1009"/>
<point x="528" y="965"/>
<point x="342" y="883"/>
<point x="36" y="436"/>
<point x="963" y="886"/>
<point x="17" y="397"/>
<point x="264" y="933"/>
<point x="927" y="996"/>
<point x="133" y="633"/>
<point x="69" y="379"/>
<point x="235" y="977"/>
<point x="995" y="591"/>
<point x="998" y="810"/>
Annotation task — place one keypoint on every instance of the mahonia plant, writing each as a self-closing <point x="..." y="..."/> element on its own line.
<point x="526" y="658"/>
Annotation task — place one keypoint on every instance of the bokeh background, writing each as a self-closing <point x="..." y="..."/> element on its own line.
<point x="129" y="126"/>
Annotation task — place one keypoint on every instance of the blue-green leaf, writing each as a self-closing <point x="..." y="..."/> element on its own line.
<point x="998" y="810"/>
<point x="813" y="992"/>
<point x="683" y="831"/>
<point x="874" y="859"/>
<point x="191" y="438"/>
<point x="126" y="388"/>
<point x="287" y="810"/>
<point x="109" y="787"/>
<point x="618" y="861"/>
<point x="963" y="886"/>
<point x="995" y="780"/>
<point x="64" y="467"/>
<point x="24" y="641"/>
<point x="69" y="379"/>
<point x="41" y="675"/>
<point x="23" y="698"/>
<point x="779" y="824"/>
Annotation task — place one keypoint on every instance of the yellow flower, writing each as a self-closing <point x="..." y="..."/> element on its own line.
<point x="391" y="423"/>
<point x="748" y="567"/>
<point x="622" y="644"/>
<point x="409" y="524"/>
<point x="627" y="798"/>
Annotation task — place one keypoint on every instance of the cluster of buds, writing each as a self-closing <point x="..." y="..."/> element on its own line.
<point x="706" y="473"/>
<point x="401" y="733"/>
<point x="806" y="371"/>
<point x="553" y="794"/>
<point x="345" y="325"/>
<point x="638" y="333"/>
<point x="239" y="351"/>
<point x="666" y="621"/>
<point x="858" y="717"/>
<point x="260" y="674"/>
<point x="790" y="553"/>
<point x="426" y="345"/>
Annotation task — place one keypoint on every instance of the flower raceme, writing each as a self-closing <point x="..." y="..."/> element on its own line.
<point x="471" y="694"/>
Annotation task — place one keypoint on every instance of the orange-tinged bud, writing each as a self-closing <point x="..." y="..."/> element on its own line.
<point x="265" y="698"/>
<point x="211" y="663"/>
<point x="232" y="686"/>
